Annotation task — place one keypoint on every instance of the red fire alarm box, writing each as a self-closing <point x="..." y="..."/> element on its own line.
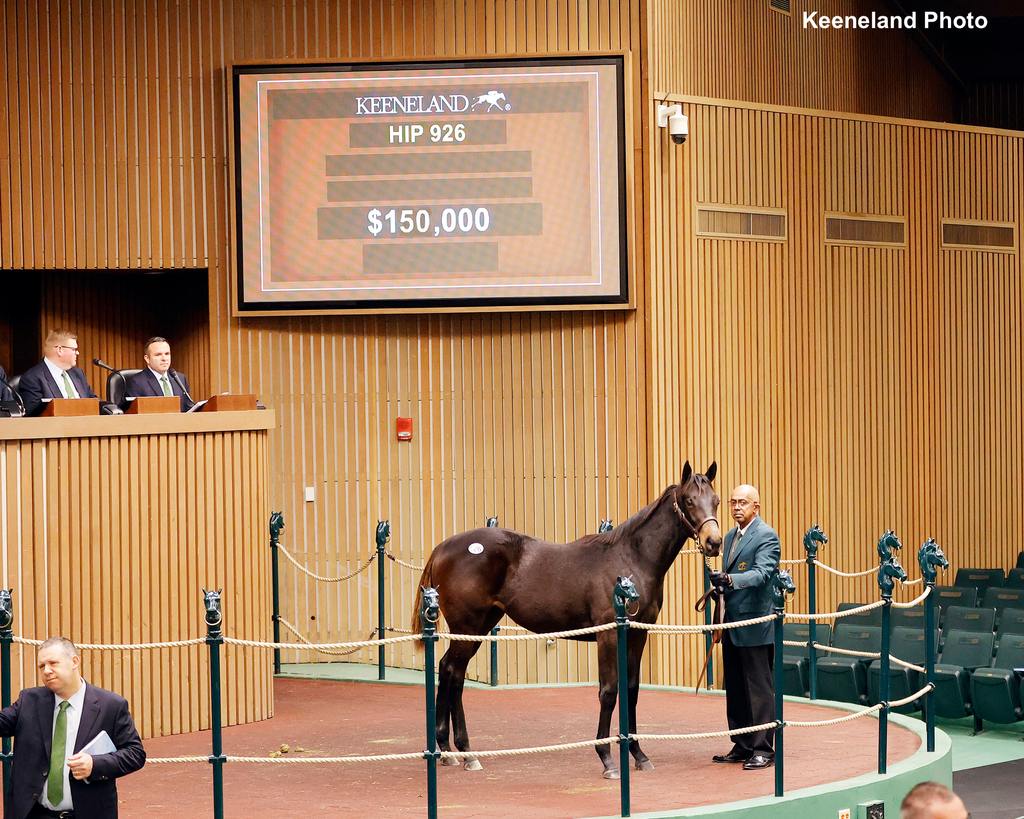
<point x="403" y="427"/>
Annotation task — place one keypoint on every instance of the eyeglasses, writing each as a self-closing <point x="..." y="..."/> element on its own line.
<point x="740" y="503"/>
<point x="75" y="350"/>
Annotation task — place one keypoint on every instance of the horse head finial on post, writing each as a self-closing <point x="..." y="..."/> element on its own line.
<point x="812" y="537"/>
<point x="605" y="525"/>
<point x="383" y="532"/>
<point x="929" y="557"/>
<point x="782" y="587"/>
<point x="625" y="593"/>
<point x="214" y="615"/>
<point x="6" y="609"/>
<point x="430" y="607"/>
<point x="276" y="525"/>
<point x="492" y="522"/>
<point x="889" y="568"/>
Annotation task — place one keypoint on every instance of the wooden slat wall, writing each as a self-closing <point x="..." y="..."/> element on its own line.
<point x="109" y="540"/>
<point x="860" y="387"/>
<point x="746" y="51"/>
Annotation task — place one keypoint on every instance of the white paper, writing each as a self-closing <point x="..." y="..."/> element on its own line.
<point x="98" y="745"/>
<point x="197" y="406"/>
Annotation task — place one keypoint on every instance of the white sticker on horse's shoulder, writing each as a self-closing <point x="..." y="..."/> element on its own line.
<point x="476" y="548"/>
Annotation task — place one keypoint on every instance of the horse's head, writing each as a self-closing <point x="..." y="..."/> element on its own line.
<point x="6" y="608"/>
<point x="782" y="587"/>
<point x="931" y="556"/>
<point x="605" y="525"/>
<point x="383" y="532"/>
<point x="812" y="537"/>
<point x="276" y="525"/>
<point x="211" y="600"/>
<point x="492" y="521"/>
<point x="888" y="544"/>
<point x="696" y="503"/>
<point x="889" y="571"/>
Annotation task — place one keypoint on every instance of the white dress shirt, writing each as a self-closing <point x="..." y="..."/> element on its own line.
<point x="58" y="376"/>
<point x="74" y="718"/>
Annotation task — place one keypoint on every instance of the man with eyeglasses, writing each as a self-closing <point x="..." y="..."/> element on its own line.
<point x="750" y="556"/>
<point x="57" y="375"/>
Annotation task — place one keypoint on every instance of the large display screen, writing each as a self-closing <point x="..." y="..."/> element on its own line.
<point x="363" y="187"/>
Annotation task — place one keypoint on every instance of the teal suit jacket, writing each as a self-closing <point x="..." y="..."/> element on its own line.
<point x="750" y="565"/>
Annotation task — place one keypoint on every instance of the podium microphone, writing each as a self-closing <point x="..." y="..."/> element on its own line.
<point x="99" y="362"/>
<point x="177" y="380"/>
<point x="5" y="383"/>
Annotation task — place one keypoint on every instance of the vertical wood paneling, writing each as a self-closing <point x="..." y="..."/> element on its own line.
<point x="109" y="540"/>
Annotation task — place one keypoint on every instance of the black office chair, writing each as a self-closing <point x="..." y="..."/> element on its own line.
<point x="12" y="406"/>
<point x="116" y="386"/>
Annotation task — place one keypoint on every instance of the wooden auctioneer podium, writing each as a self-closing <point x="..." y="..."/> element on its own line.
<point x="112" y="526"/>
<point x="70" y="407"/>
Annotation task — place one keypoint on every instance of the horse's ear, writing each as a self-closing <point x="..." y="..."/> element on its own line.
<point x="687" y="473"/>
<point x="711" y="472"/>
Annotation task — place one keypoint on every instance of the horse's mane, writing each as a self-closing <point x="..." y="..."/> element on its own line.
<point x="639" y="519"/>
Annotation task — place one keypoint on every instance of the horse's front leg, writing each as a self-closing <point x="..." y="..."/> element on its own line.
<point x="637" y="641"/>
<point x="607" y="691"/>
<point x="443" y="708"/>
<point x="461" y="654"/>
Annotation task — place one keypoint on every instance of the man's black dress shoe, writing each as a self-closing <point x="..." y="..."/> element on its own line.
<point x="732" y="756"/>
<point x="758" y="761"/>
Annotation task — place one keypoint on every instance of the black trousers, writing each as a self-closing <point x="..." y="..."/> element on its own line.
<point x="749" y="695"/>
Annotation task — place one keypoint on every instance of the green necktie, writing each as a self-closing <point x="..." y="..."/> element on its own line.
<point x="165" y="385"/>
<point x="55" y="780"/>
<point x="69" y="388"/>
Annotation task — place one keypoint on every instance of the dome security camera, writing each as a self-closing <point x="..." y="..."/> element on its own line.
<point x="679" y="128"/>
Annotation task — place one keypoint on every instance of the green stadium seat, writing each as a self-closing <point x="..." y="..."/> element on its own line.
<point x="845" y="678"/>
<point x="963" y="652"/>
<point x="1015" y="579"/>
<point x="1011" y="622"/>
<point x="965" y="618"/>
<point x="996" y="691"/>
<point x="1000" y="597"/>
<point x="946" y="596"/>
<point x="1020" y="560"/>
<point x="795" y="662"/>
<point x="981" y="579"/>
<point x="909" y="645"/>
<point x="908" y="618"/>
<point x="867" y="618"/>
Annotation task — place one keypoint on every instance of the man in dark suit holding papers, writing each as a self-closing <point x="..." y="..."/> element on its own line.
<point x="750" y="555"/>
<point x="71" y="741"/>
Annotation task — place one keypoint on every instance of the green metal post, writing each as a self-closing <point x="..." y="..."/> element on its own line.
<point x="430" y="611"/>
<point x="883" y="686"/>
<point x="812" y="537"/>
<point x="276" y="525"/>
<point x="492" y="522"/>
<point x="782" y="584"/>
<point x="383" y="535"/>
<point x="215" y="639"/>
<point x="929" y="664"/>
<point x="709" y="638"/>
<point x="6" y="638"/>
<point x="625" y="592"/>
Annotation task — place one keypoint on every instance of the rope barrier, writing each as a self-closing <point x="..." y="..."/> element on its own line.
<point x="909" y="699"/>
<point x="401" y="562"/>
<point x="654" y="628"/>
<point x="540" y="749"/>
<point x="708" y="734"/>
<point x="826" y="722"/>
<point x="294" y="631"/>
<point x="355" y="644"/>
<point x="500" y="638"/>
<point x="321" y="578"/>
<point x="917" y="600"/>
<point x="828" y="568"/>
<point x="792" y="562"/>
<point x="835" y="615"/>
<point x="121" y="646"/>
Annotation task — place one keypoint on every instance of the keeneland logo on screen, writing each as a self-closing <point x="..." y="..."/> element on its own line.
<point x="435" y="104"/>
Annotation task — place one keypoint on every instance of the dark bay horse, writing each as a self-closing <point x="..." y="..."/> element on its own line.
<point x="485" y="573"/>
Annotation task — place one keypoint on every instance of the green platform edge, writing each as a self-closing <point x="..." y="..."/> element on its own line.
<point x="828" y="799"/>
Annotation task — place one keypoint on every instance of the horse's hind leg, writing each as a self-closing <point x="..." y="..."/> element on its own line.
<point x="455" y="662"/>
<point x="637" y="641"/>
<point x="607" y="692"/>
<point x="444" y="708"/>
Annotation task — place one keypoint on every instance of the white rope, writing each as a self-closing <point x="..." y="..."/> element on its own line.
<point x="897" y="660"/>
<point x="163" y="760"/>
<point x="826" y="722"/>
<point x="792" y="562"/>
<point x="828" y="568"/>
<point x="913" y="582"/>
<point x="401" y="562"/>
<point x="321" y="578"/>
<point x="654" y="628"/>
<point x="295" y="631"/>
<point x="707" y="734"/>
<point x="689" y="551"/>
<point x="356" y="644"/>
<point x="848" y="652"/>
<point x="317" y="760"/>
<point x="121" y="646"/>
<point x="835" y="615"/>
<point x="565" y="746"/>
<point x="552" y="635"/>
<point x="916" y="600"/>
<point x="912" y="697"/>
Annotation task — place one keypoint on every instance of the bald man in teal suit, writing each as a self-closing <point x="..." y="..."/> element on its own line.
<point x="750" y="555"/>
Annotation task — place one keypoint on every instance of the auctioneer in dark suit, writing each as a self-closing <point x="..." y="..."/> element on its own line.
<point x="748" y="652"/>
<point x="30" y="722"/>
<point x="145" y="383"/>
<point x="37" y="383"/>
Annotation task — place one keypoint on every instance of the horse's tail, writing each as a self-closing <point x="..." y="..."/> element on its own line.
<point x="425" y="580"/>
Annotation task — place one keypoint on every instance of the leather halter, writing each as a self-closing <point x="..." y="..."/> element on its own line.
<point x="695" y="528"/>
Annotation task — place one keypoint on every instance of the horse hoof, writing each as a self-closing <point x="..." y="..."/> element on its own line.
<point x="644" y="765"/>
<point x="611" y="773"/>
<point x="451" y="761"/>
<point x="473" y="764"/>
